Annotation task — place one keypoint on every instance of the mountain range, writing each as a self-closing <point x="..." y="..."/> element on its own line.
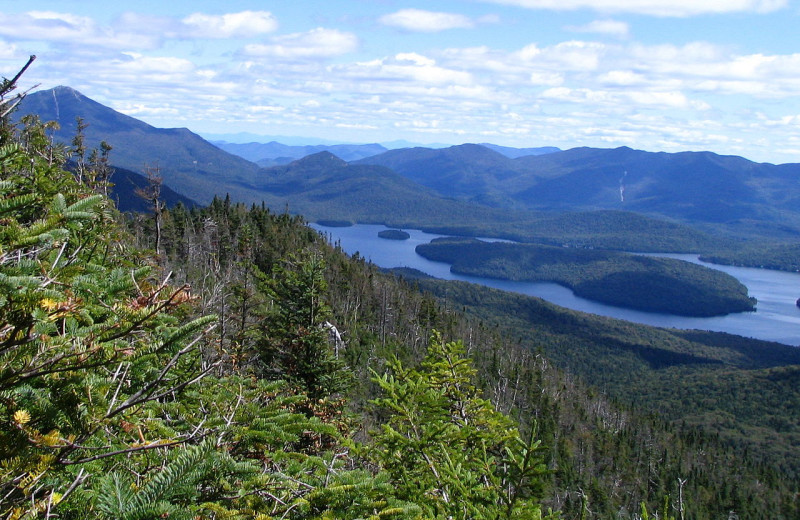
<point x="275" y="153"/>
<point x="480" y="181"/>
<point x="697" y="187"/>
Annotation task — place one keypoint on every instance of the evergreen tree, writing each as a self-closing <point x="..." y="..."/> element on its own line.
<point x="88" y="333"/>
<point x="449" y="449"/>
<point x="294" y="343"/>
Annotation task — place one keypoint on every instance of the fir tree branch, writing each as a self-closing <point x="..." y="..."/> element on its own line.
<point x="145" y="393"/>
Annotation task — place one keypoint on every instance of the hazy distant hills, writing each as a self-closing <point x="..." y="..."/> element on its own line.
<point x="274" y="153"/>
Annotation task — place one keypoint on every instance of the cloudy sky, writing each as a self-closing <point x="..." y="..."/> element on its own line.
<point x="658" y="75"/>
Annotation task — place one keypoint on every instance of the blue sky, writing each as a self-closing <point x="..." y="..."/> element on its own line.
<point x="657" y="75"/>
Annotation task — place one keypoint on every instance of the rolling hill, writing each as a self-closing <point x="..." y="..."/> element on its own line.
<point x="467" y="172"/>
<point x="324" y="187"/>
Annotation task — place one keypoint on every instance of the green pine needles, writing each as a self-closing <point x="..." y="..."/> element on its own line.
<point x="448" y="448"/>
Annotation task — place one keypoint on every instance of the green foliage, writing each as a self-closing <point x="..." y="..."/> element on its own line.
<point x="88" y="340"/>
<point x="781" y="256"/>
<point x="117" y="496"/>
<point x="445" y="445"/>
<point x="295" y="342"/>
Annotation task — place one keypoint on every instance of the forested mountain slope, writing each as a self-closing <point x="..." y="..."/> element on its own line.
<point x="188" y="163"/>
<point x="691" y="186"/>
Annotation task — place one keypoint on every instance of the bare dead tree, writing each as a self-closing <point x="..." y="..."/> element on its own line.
<point x="9" y="85"/>
<point x="152" y="194"/>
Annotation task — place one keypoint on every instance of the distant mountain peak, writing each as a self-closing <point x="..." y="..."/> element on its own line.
<point x="195" y="168"/>
<point x="320" y="160"/>
<point x="63" y="89"/>
<point x="64" y="93"/>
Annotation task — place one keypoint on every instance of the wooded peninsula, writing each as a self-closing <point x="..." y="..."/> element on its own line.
<point x="634" y="281"/>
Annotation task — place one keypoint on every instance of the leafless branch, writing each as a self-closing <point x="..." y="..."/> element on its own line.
<point x="148" y="446"/>
<point x="146" y="392"/>
<point x="10" y="85"/>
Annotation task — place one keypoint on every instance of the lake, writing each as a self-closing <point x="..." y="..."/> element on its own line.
<point x="776" y="318"/>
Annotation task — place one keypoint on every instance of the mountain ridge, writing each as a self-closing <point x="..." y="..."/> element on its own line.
<point x="188" y="163"/>
<point x="689" y="186"/>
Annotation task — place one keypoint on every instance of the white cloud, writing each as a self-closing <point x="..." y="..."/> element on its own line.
<point x="358" y="126"/>
<point x="408" y="67"/>
<point x="577" y="95"/>
<point x="571" y="55"/>
<point x="578" y="55"/>
<point x="141" y="109"/>
<point x="659" y="99"/>
<point x="417" y="20"/>
<point x="710" y="68"/>
<point x="130" y="31"/>
<point x="155" y="65"/>
<point x="608" y="27"/>
<point x="654" y="7"/>
<point x="46" y="25"/>
<point x="232" y="25"/>
<point x="416" y="59"/>
<point x="66" y="28"/>
<point x="265" y="109"/>
<point x="546" y="78"/>
<point x="622" y="78"/>
<point x="317" y="43"/>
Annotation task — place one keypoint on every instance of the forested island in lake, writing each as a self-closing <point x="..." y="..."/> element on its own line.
<point x="394" y="234"/>
<point x="638" y="282"/>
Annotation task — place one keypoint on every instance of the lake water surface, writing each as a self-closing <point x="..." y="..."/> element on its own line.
<point x="776" y="318"/>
